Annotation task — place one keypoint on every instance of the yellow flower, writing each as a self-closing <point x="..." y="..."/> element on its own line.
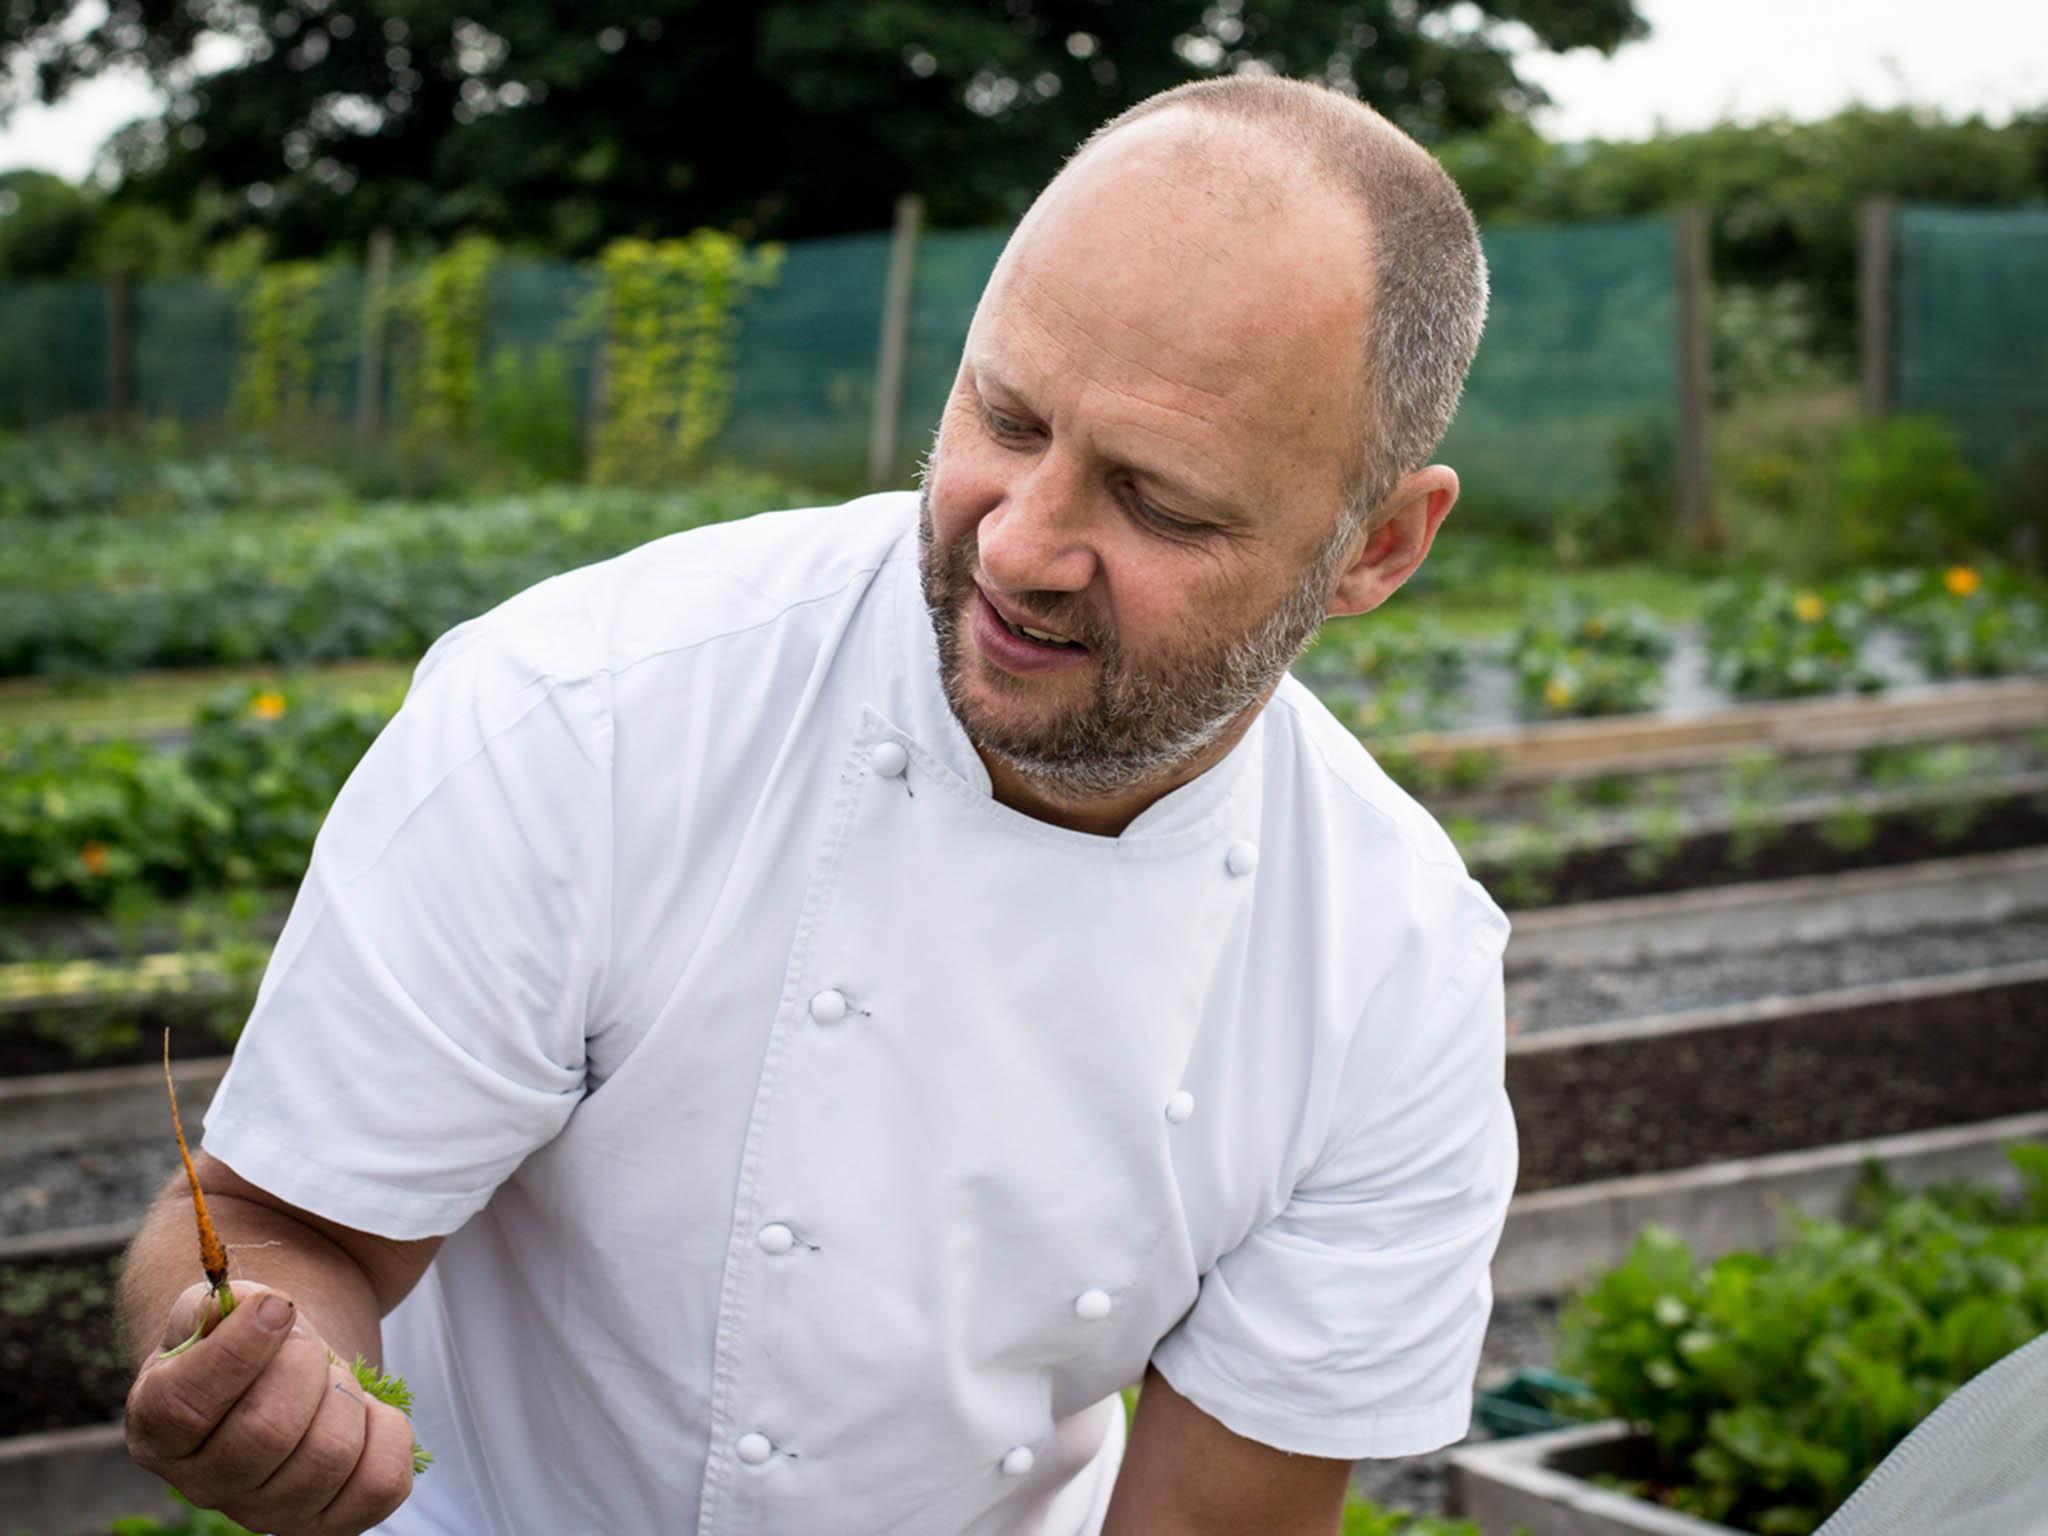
<point x="94" y="857"/>
<point x="1809" y="607"/>
<point x="1961" y="580"/>
<point x="1594" y="628"/>
<point x="1557" y="693"/>
<point x="267" y="705"/>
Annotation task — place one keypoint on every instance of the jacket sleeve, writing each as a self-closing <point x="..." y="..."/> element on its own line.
<point x="1349" y="1325"/>
<point x="420" y="1027"/>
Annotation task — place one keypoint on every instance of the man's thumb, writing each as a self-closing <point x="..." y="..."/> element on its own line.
<point x="196" y="1312"/>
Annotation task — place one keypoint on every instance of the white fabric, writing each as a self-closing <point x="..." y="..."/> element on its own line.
<point x="548" y="985"/>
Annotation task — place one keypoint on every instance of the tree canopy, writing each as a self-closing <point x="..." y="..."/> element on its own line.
<point x="565" y="124"/>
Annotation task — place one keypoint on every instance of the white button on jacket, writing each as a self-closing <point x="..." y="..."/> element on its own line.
<point x="568" y="981"/>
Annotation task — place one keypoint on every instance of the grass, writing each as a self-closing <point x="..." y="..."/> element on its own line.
<point x="146" y="703"/>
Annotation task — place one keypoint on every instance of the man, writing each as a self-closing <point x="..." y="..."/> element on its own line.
<point x="787" y="1022"/>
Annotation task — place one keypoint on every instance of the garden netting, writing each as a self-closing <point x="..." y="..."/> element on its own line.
<point x="1579" y="360"/>
<point x="1971" y="326"/>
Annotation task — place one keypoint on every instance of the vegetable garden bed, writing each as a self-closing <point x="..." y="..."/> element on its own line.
<point x="1532" y="866"/>
<point x="1606" y="1101"/>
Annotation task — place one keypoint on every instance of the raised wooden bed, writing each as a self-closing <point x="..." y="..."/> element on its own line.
<point x="1541" y="1484"/>
<point x="1646" y="743"/>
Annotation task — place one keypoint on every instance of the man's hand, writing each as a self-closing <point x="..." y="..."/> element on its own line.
<point x="259" y="1420"/>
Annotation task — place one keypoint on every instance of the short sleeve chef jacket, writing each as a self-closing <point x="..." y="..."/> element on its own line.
<point x="820" y="1143"/>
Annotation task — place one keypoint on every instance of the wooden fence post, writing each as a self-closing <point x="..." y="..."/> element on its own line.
<point x="370" y="360"/>
<point x="1693" y="465"/>
<point x="888" y="409"/>
<point x="1874" y="293"/>
<point x="120" y="347"/>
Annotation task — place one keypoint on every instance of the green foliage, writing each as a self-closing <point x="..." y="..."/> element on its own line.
<point x="1772" y="1386"/>
<point x="1967" y="622"/>
<point x="82" y="822"/>
<point x="195" y="1522"/>
<point x="394" y="1391"/>
<point x="45" y="223"/>
<point x="1362" y="1517"/>
<point x="1904" y="493"/>
<point x="669" y="319"/>
<point x="446" y="306"/>
<point x="105" y="594"/>
<point x="60" y="473"/>
<point x="530" y="415"/>
<point x="1578" y="659"/>
<point x="1767" y="639"/>
<point x="278" y="318"/>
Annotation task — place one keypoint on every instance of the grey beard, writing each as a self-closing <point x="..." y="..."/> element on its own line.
<point x="1144" y="725"/>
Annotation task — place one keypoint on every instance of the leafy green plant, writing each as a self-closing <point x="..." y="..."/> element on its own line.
<point x="530" y="416"/>
<point x="84" y="821"/>
<point x="1574" y="659"/>
<point x="1770" y="1387"/>
<point x="447" y="305"/>
<point x="279" y="316"/>
<point x="1768" y="639"/>
<point x="1903" y="489"/>
<point x="668" y="318"/>
<point x="1967" y="622"/>
<point x="88" y="594"/>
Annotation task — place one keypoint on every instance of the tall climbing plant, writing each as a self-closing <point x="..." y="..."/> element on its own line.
<point x="446" y="307"/>
<point x="277" y="318"/>
<point x="668" y="317"/>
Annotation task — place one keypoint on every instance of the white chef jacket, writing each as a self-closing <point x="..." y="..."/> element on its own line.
<point x="820" y="1143"/>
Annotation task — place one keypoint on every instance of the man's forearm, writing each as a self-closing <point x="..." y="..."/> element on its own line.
<point x="334" y="1295"/>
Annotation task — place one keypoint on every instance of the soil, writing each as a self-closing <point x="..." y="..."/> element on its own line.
<point x="1644" y="1106"/>
<point x="1795" y="848"/>
<point x="112" y="1033"/>
<point x="60" y="1353"/>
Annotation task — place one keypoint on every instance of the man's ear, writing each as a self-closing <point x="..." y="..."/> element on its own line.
<point x="1397" y="536"/>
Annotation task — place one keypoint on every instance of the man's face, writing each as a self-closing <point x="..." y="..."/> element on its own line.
<point x="1143" y="454"/>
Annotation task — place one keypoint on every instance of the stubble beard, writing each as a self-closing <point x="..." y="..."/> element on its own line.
<point x="1145" y="720"/>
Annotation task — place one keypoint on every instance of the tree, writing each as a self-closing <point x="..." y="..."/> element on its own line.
<point x="563" y="124"/>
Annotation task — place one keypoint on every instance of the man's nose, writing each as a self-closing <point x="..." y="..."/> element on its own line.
<point x="1039" y="538"/>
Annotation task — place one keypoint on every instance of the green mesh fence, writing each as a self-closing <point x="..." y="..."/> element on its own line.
<point x="1971" y="327"/>
<point x="184" y="348"/>
<point x="805" y="387"/>
<point x="1579" y="359"/>
<point x="1579" y="355"/>
<point x="53" y="362"/>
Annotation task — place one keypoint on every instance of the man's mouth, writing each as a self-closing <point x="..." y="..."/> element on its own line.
<point x="1031" y="633"/>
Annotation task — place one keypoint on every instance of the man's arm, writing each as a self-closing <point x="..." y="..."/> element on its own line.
<point x="342" y="1280"/>
<point x="1184" y="1474"/>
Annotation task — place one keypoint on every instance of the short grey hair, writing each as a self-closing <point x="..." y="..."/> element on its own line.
<point x="1428" y="274"/>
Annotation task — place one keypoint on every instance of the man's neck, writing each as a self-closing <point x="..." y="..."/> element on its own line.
<point x="1110" y="814"/>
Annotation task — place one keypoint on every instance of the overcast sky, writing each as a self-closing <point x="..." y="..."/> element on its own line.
<point x="1704" y="60"/>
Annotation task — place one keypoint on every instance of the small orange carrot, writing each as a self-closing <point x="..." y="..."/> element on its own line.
<point x="212" y="1257"/>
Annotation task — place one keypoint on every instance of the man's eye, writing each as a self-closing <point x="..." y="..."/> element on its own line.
<point x="1002" y="426"/>
<point x="1164" y="523"/>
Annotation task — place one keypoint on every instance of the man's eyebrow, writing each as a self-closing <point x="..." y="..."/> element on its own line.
<point x="1219" y="507"/>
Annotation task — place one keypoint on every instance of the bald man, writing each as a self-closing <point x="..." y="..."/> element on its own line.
<point x="787" y="1022"/>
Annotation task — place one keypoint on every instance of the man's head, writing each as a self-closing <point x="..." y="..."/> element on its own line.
<point x="1192" y="419"/>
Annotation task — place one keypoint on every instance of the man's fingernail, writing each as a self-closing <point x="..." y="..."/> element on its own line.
<point x="273" y="1312"/>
